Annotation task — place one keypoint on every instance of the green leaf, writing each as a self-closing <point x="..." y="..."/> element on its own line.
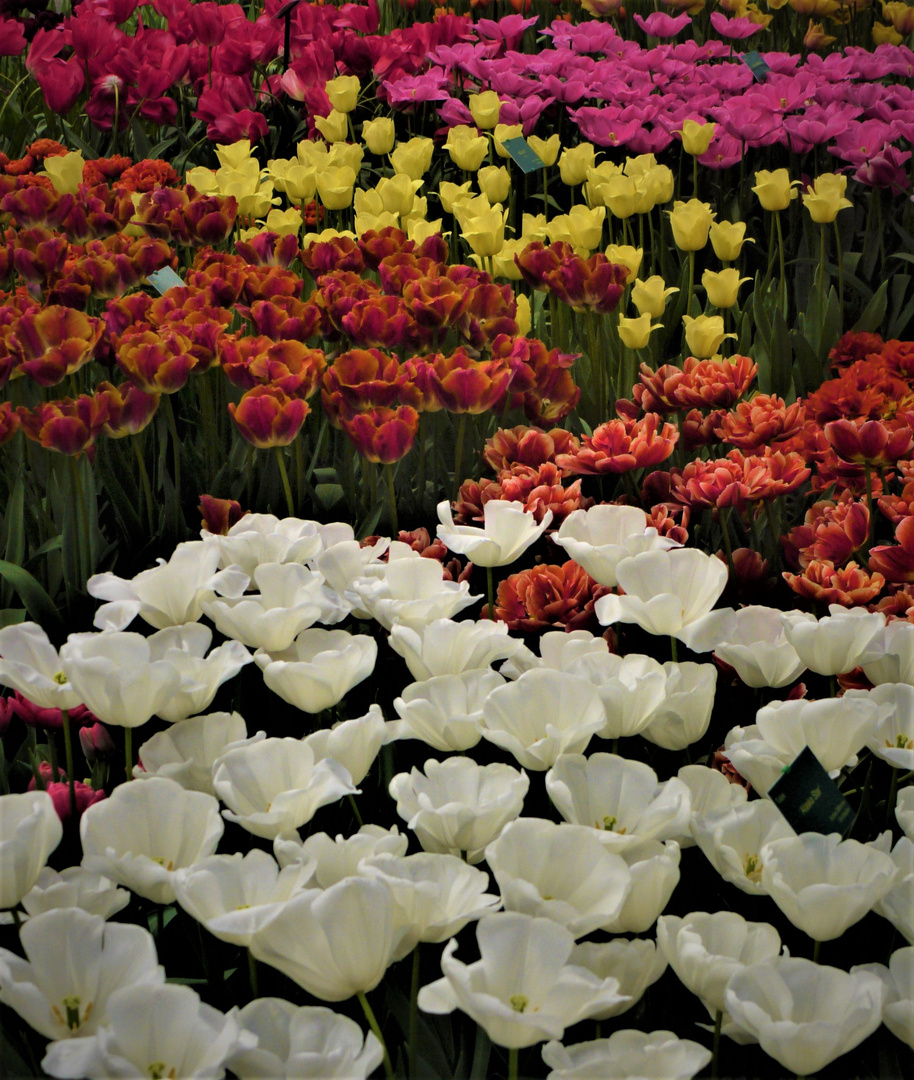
<point x="781" y="356"/>
<point x="807" y="372"/>
<point x="141" y="143"/>
<point x="874" y="312"/>
<point x="12" y="616"/>
<point x="80" y="143"/>
<point x="38" y="604"/>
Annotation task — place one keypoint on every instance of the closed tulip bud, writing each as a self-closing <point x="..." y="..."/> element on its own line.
<point x="696" y="137"/>
<point x="546" y="149"/>
<point x="334" y="127"/>
<point x="596" y="177"/>
<point x="485" y="233"/>
<point x="635" y="333"/>
<point x="704" y="335"/>
<point x="627" y="256"/>
<point x="722" y="287"/>
<point x="413" y="157"/>
<point x="826" y="197"/>
<point x="485" y="109"/>
<point x="574" y="163"/>
<point x="502" y="133"/>
<point x="334" y="187"/>
<point x="619" y="194"/>
<point x="815" y="38"/>
<point x="379" y="135"/>
<point x="659" y="183"/>
<point x="467" y="149"/>
<point x="344" y="153"/>
<point x="691" y="222"/>
<point x="585" y="227"/>
<point x="649" y="297"/>
<point x="900" y="15"/>
<point x="96" y="742"/>
<point x="398" y="193"/>
<point x="494" y="182"/>
<point x="727" y="239"/>
<point x="886" y="35"/>
<point x="775" y="189"/>
<point x="343" y="92"/>
<point x="523" y="317"/>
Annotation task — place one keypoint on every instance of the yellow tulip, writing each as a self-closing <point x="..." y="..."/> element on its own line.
<point x="300" y="183"/>
<point x="484" y="108"/>
<point x="586" y="226"/>
<point x="284" y="222"/>
<point x="494" y="182"/>
<point x="450" y="194"/>
<point x="344" y="153"/>
<point x="398" y="193"/>
<point x="886" y="35"/>
<point x="704" y="335"/>
<point x="334" y="127"/>
<point x="722" y="287"/>
<point x="343" y="92"/>
<point x="467" y="148"/>
<point x="815" y="37"/>
<point x="503" y="264"/>
<point x="660" y="183"/>
<point x="367" y="202"/>
<point x="334" y="186"/>
<point x="66" y="172"/>
<point x="727" y="239"/>
<point x="640" y="165"/>
<point x="775" y="189"/>
<point x="485" y="233"/>
<point x="574" y="163"/>
<point x="696" y="137"/>
<point x="620" y="195"/>
<point x="691" y="222"/>
<point x="533" y="227"/>
<point x="202" y="179"/>
<point x="420" y="231"/>
<point x="379" y="135"/>
<point x="233" y="155"/>
<point x="627" y="256"/>
<point x="502" y="133"/>
<point x="366" y="222"/>
<point x="649" y="297"/>
<point x="826" y="197"/>
<point x="413" y="157"/>
<point x="900" y="15"/>
<point x="635" y="333"/>
<point x="546" y="149"/>
<point x="523" y="318"/>
<point x="596" y="177"/>
<point x="312" y="153"/>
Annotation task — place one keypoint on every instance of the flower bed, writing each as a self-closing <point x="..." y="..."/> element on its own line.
<point x="557" y="529"/>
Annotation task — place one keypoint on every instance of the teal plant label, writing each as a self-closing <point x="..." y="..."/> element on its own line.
<point x="523" y="154"/>
<point x="809" y="799"/>
<point x="756" y="65"/>
<point x="164" y="279"/>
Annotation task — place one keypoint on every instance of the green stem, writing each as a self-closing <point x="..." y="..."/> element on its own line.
<point x="413" y="1013"/>
<point x="128" y="752"/>
<point x="458" y="452"/>
<point x="394" y="529"/>
<point x="68" y="757"/>
<point x="169" y="414"/>
<point x="512" y="1063"/>
<point x="817" y="945"/>
<point x="355" y="810"/>
<point x="144" y="483"/>
<point x="821" y="287"/>
<point x="782" y="283"/>
<point x="252" y="975"/>
<point x="715" y="1048"/>
<point x="490" y="591"/>
<point x="868" y="475"/>
<point x="375" y="1027"/>
<point x="728" y="543"/>
<point x="674" y="649"/>
<point x="694" y="177"/>
<point x="838" y="258"/>
<point x="52" y="758"/>
<point x="82" y="529"/>
<point x="284" y="476"/>
<point x="688" y="308"/>
<point x="17" y="919"/>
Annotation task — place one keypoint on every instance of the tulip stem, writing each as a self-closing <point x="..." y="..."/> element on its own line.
<point x="817" y="945"/>
<point x="490" y="592"/>
<point x="394" y="530"/>
<point x="728" y="543"/>
<point x="144" y="483"/>
<point x="128" y="752"/>
<point x="355" y="810"/>
<point x="17" y="919"/>
<point x="821" y="288"/>
<point x="413" y="1013"/>
<point x="375" y="1027"/>
<point x="284" y="476"/>
<point x="868" y="478"/>
<point x="838" y="260"/>
<point x="458" y="452"/>
<point x="68" y="757"/>
<point x="512" y="1063"/>
<point x="688" y="308"/>
<point x="715" y="1046"/>
<point x="252" y="975"/>
<point x="782" y="284"/>
<point x="169" y="413"/>
<point x="674" y="649"/>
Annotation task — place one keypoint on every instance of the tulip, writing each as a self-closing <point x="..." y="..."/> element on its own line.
<point x="727" y="239"/>
<point x="467" y="149"/>
<point x="75" y="887"/>
<point x="187" y="751"/>
<point x="379" y="135"/>
<point x="840" y="642"/>
<point x="445" y="711"/>
<point x="826" y="197"/>
<point x="485" y="109"/>
<point x="507" y="532"/>
<point x="31" y="665"/>
<point x="444" y="647"/>
<point x="635" y="333"/>
<point x="575" y="162"/>
<point x="627" y="256"/>
<point x="343" y="92"/>
<point x="636" y="963"/>
<point x="696" y="136"/>
<point x="628" y="1053"/>
<point x="704" y="334"/>
<point x="494" y="182"/>
<point x="546" y="149"/>
<point x="484" y="233"/>
<point x="319" y="669"/>
<point x="413" y="157"/>
<point x="803" y="1014"/>
<point x="775" y="189"/>
<point x="598" y="539"/>
<point x="691" y="222"/>
<point x="898" y="977"/>
<point x="649" y="297"/>
<point x="896" y="905"/>
<point x="30" y="830"/>
<point x="732" y="840"/>
<point x="722" y="287"/>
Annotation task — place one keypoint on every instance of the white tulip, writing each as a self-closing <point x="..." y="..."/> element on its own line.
<point x="201" y="676"/>
<point x="710" y="793"/>
<point x="803" y="1014"/>
<point x="275" y="786"/>
<point x="654" y="869"/>
<point x="412" y="591"/>
<point x="76" y="962"/>
<point x="31" y="665"/>
<point x="445" y="712"/>
<point x="263" y="538"/>
<point x="75" y="887"/>
<point x="904" y="811"/>
<point x="897" y="905"/>
<point x="630" y="687"/>
<point x="845" y="639"/>
<point x="353" y="743"/>
<point x="319" y="668"/>
<point x="733" y="840"/>
<point x="508" y="530"/>
<point x="898" y="980"/>
<point x="684" y="713"/>
<point x="307" y="1042"/>
<point x="752" y="641"/>
<point x="458" y="805"/>
<point x="29" y="831"/>
<point x="598" y="539"/>
<point x="636" y="963"/>
<point x="626" y="1054"/>
<point x="340" y="858"/>
<point x="145" y="832"/>
<point x="891" y="655"/>
<point x="892" y="738"/>
<point x="522" y="990"/>
<point x="824" y="884"/>
<point x="187" y="751"/>
<point x="559" y="872"/>
<point x="620" y="797"/>
<point x="167" y="595"/>
<point x="445" y="647"/>
<point x="542" y="715"/>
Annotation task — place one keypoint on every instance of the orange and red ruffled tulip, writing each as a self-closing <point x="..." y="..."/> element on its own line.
<point x="53" y="343"/>
<point x="67" y="426"/>
<point x="266" y="416"/>
<point x="383" y="435"/>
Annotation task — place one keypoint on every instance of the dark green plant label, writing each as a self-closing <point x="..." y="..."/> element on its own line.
<point x="756" y="65"/>
<point x="809" y="799"/>
<point x="164" y="279"/>
<point x="523" y="154"/>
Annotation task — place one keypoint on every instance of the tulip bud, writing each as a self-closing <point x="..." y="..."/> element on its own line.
<point x="334" y="187"/>
<point x="696" y="137"/>
<point x="649" y="297"/>
<point x="635" y="333"/>
<point x="334" y="127"/>
<point x="775" y="189"/>
<point x="704" y="335"/>
<point x="343" y="92"/>
<point x="523" y="317"/>
<point x="66" y="172"/>
<point x="546" y="149"/>
<point x="502" y="133"/>
<point x="691" y="223"/>
<point x="96" y="742"/>
<point x="494" y="182"/>
<point x="413" y="157"/>
<point x="266" y="416"/>
<point x="627" y="256"/>
<point x="574" y="163"/>
<point x="826" y="197"/>
<point x="485" y="109"/>
<point x="485" y="233"/>
<point x="727" y="239"/>
<point x="466" y="147"/>
<point x="379" y="135"/>
<point x="722" y="287"/>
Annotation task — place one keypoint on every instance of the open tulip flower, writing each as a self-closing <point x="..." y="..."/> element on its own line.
<point x="29" y="831"/>
<point x="508" y="530"/>
<point x="627" y="1053"/>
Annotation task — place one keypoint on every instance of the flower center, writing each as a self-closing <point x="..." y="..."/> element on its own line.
<point x="902" y="742"/>
<point x="753" y="868"/>
<point x="160" y="859"/>
<point x="72" y="1019"/>
<point x="60" y="678"/>
<point x="610" y="821"/>
<point x="156" y="1070"/>
<point x="519" y="1002"/>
